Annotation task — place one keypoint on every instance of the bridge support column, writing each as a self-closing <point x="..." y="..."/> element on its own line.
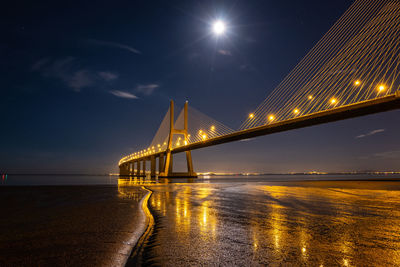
<point x="131" y="168"/>
<point x="138" y="171"/>
<point x="134" y="168"/>
<point x="190" y="163"/>
<point x="171" y="164"/>
<point x="144" y="167"/>
<point x="153" y="166"/>
<point x="168" y="167"/>
<point x="124" y="169"/>
<point x="160" y="164"/>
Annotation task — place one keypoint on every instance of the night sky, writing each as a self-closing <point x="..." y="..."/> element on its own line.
<point x="87" y="82"/>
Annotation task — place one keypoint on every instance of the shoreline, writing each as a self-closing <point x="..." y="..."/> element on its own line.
<point x="146" y="229"/>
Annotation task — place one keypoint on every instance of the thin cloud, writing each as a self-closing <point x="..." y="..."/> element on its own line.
<point x="224" y="52"/>
<point x="116" y="45"/>
<point x="370" y="133"/>
<point x="123" y="94"/>
<point x="147" y="89"/>
<point x="80" y="79"/>
<point x="68" y="71"/>
<point x="108" y="76"/>
<point x="388" y="154"/>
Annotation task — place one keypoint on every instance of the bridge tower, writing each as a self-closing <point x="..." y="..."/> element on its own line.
<point x="167" y="169"/>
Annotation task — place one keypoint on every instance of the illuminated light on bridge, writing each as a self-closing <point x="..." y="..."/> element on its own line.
<point x="204" y="136"/>
<point x="381" y="88"/>
<point x="358" y="82"/>
<point x="251" y="115"/>
<point x="333" y="101"/>
<point x="310" y="97"/>
<point x="296" y="111"/>
<point x="212" y="128"/>
<point x="271" y="117"/>
<point x="185" y="142"/>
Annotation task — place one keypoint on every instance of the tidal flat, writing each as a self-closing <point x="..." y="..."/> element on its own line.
<point x="209" y="221"/>
<point x="94" y="225"/>
<point x="258" y="223"/>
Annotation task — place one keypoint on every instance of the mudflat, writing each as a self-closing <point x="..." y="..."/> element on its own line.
<point x="68" y="225"/>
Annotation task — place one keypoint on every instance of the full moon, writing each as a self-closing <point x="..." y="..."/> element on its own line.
<point x="219" y="27"/>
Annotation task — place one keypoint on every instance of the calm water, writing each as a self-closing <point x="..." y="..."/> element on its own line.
<point x="54" y="179"/>
<point x="60" y="179"/>
<point x="254" y="222"/>
<point x="270" y="220"/>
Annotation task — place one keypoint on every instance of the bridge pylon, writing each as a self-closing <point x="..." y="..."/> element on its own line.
<point x="167" y="168"/>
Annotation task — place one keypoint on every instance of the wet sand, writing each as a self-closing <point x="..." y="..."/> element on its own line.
<point x="68" y="225"/>
<point x="327" y="223"/>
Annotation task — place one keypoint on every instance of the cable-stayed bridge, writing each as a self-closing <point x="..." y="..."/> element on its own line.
<point x="352" y="71"/>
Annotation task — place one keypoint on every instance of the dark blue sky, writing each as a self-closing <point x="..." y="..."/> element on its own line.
<point x="85" y="83"/>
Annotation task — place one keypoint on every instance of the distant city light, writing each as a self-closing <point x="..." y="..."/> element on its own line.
<point x="219" y="27"/>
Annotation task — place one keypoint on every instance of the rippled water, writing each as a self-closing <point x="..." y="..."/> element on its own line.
<point x="348" y="223"/>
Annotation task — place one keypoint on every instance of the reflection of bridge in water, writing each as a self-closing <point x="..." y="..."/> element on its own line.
<point x="352" y="71"/>
<point x="264" y="223"/>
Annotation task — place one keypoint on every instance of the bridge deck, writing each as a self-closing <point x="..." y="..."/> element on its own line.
<point x="367" y="107"/>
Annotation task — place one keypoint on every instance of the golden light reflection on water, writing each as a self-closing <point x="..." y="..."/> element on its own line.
<point x="286" y="224"/>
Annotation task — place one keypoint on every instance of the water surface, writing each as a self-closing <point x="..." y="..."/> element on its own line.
<point x="259" y="222"/>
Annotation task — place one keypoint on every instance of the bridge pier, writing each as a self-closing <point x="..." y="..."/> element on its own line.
<point x="153" y="166"/>
<point x="138" y="168"/>
<point x="124" y="170"/>
<point x="160" y="163"/>
<point x="167" y="170"/>
<point x="165" y="159"/>
<point x="134" y="168"/>
<point x="143" y="167"/>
